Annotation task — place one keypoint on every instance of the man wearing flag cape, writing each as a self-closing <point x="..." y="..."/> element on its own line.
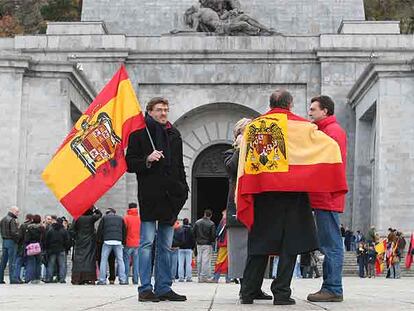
<point x="283" y="157"/>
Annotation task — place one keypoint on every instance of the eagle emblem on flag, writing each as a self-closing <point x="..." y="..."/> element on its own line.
<point x="266" y="145"/>
<point x="96" y="143"/>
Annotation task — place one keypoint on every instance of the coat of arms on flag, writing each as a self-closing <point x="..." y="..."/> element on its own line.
<point x="266" y="145"/>
<point x="96" y="143"/>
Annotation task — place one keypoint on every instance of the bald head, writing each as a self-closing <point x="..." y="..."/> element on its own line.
<point x="281" y="99"/>
<point x="14" y="210"/>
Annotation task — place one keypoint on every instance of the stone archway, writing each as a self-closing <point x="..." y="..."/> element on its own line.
<point x="209" y="184"/>
<point x="206" y="131"/>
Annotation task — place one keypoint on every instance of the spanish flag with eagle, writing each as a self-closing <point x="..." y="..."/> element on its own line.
<point x="281" y="151"/>
<point x="91" y="158"/>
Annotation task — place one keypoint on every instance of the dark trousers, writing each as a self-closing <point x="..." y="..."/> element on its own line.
<point x="254" y="273"/>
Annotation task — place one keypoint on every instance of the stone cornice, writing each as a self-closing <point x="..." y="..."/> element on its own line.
<point x="375" y="71"/>
<point x="55" y="69"/>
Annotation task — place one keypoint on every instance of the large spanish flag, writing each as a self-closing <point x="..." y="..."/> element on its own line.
<point x="281" y="151"/>
<point x="91" y="158"/>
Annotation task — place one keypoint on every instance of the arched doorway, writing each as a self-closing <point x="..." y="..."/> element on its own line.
<point x="209" y="183"/>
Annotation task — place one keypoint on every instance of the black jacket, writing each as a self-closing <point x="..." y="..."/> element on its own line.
<point x="9" y="227"/>
<point x="162" y="189"/>
<point x="112" y="227"/>
<point x="35" y="233"/>
<point x="204" y="231"/>
<point x="185" y="237"/>
<point x="231" y="161"/>
<point x="57" y="239"/>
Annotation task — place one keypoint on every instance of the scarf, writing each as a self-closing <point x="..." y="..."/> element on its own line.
<point x="159" y="135"/>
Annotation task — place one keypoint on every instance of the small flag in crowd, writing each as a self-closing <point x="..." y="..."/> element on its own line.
<point x="91" y="158"/>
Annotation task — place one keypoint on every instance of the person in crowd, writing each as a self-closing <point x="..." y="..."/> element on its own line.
<point x="185" y="252"/>
<point x="21" y="256"/>
<point x="133" y="227"/>
<point x="221" y="266"/>
<point x="328" y="207"/>
<point x="34" y="241"/>
<point x="112" y="232"/>
<point x="362" y="259"/>
<point x="174" y="251"/>
<point x="372" y="235"/>
<point x="281" y="222"/>
<point x="84" y="250"/>
<point x="348" y="239"/>
<point x="371" y="259"/>
<point x="393" y="257"/>
<point x="305" y="265"/>
<point x="314" y="265"/>
<point x="56" y="243"/>
<point x="155" y="155"/>
<point x="237" y="233"/>
<point x="9" y="229"/>
<point x="205" y="237"/>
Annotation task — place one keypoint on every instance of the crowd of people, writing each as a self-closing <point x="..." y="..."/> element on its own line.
<point x="375" y="254"/>
<point x="266" y="220"/>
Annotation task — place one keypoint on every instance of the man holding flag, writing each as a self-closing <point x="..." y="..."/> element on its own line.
<point x="283" y="157"/>
<point x="156" y="156"/>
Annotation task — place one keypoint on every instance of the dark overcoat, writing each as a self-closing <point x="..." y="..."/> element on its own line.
<point x="162" y="192"/>
<point x="283" y="222"/>
<point x="84" y="251"/>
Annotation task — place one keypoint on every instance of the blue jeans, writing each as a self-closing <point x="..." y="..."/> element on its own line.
<point x="19" y="263"/>
<point x="9" y="254"/>
<point x="162" y="265"/>
<point x="332" y="246"/>
<point x="275" y="265"/>
<point x="174" y="263"/>
<point x="128" y="252"/>
<point x="106" y="250"/>
<point x="33" y="268"/>
<point x="60" y="259"/>
<point x="185" y="257"/>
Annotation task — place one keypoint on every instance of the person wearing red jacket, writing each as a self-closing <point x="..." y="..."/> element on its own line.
<point x="133" y="226"/>
<point x="327" y="208"/>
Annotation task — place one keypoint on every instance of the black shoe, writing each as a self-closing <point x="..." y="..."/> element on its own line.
<point x="246" y="301"/>
<point x="172" y="296"/>
<point x="284" y="302"/>
<point x="148" y="296"/>
<point x="263" y="296"/>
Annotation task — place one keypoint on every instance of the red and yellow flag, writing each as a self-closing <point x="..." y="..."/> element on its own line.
<point x="281" y="151"/>
<point x="380" y="248"/>
<point x="91" y="158"/>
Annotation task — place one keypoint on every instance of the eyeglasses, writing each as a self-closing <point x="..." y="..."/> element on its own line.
<point x="162" y="110"/>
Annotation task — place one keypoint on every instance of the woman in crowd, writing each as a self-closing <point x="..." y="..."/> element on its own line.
<point x="236" y="232"/>
<point x="84" y="253"/>
<point x="33" y="239"/>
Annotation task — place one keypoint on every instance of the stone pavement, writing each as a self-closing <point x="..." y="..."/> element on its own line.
<point x="360" y="294"/>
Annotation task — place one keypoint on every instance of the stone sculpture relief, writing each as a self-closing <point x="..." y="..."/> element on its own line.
<point x="223" y="17"/>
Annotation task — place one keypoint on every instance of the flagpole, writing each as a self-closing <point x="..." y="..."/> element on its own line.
<point x="150" y="138"/>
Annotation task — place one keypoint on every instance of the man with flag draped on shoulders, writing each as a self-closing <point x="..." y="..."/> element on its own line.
<point x="283" y="157"/>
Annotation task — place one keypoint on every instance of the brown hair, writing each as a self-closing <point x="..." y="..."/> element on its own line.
<point x="325" y="102"/>
<point x="156" y="100"/>
<point x="280" y="99"/>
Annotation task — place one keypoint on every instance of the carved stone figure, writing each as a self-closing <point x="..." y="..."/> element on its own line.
<point x="225" y="19"/>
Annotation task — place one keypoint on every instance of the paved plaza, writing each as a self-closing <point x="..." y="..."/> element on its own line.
<point x="360" y="294"/>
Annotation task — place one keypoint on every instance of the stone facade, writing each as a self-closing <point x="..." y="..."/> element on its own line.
<point x="211" y="82"/>
<point x="155" y="17"/>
